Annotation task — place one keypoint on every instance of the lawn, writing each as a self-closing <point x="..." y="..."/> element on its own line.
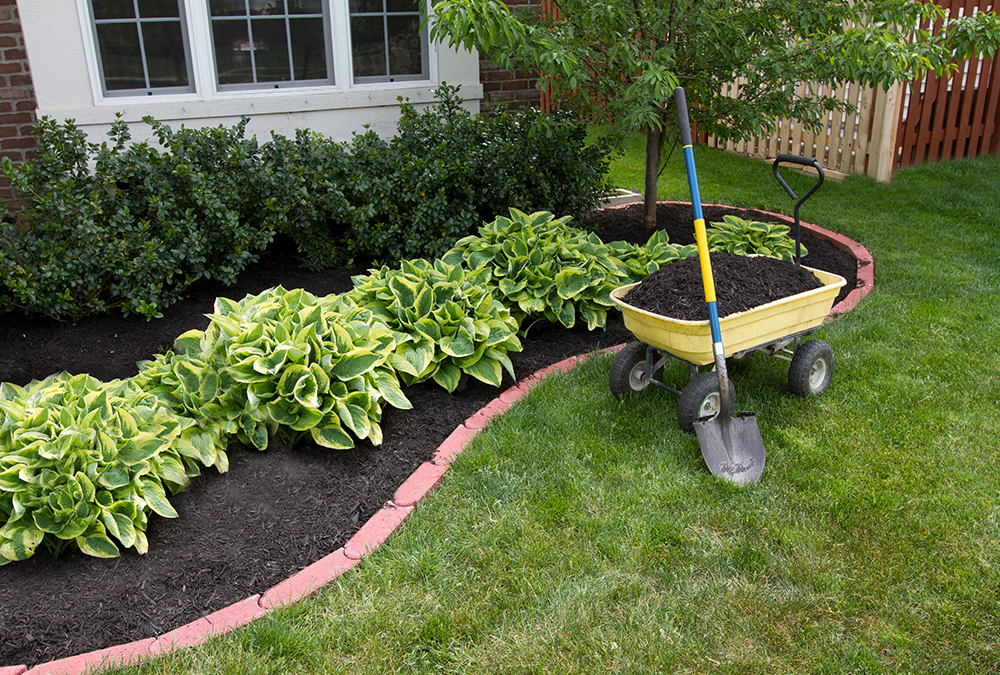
<point x="581" y="534"/>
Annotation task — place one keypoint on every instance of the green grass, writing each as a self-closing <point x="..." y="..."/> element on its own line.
<point x="580" y="534"/>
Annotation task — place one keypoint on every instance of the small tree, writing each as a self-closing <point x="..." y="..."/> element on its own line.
<point x="620" y="60"/>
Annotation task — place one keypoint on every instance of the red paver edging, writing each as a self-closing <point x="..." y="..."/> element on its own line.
<point x="383" y="524"/>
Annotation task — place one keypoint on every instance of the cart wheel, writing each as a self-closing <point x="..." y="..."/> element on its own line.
<point x="812" y="369"/>
<point x="628" y="370"/>
<point x="700" y="398"/>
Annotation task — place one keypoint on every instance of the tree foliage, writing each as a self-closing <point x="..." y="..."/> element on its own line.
<point x="621" y="60"/>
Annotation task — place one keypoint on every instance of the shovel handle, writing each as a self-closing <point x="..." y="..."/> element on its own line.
<point x="719" y="352"/>
<point x="680" y="100"/>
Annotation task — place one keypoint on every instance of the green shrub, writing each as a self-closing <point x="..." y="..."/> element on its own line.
<point x="643" y="260"/>
<point x="544" y="269"/>
<point x="442" y="175"/>
<point x="749" y="237"/>
<point x="138" y="229"/>
<point x="315" y="193"/>
<point x="295" y="365"/>
<point x="83" y="463"/>
<point x="444" y="320"/>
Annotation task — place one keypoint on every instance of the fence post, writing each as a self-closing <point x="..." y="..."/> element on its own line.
<point x="885" y="122"/>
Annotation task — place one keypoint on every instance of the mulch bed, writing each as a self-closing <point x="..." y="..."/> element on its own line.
<point x="274" y="512"/>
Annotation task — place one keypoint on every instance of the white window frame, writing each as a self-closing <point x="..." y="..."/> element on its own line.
<point x="203" y="71"/>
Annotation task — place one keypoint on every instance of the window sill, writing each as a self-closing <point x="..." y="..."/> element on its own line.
<point x="237" y="103"/>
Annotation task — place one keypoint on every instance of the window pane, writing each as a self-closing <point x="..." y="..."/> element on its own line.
<point x="165" y="54"/>
<point x="232" y="52"/>
<point x="305" y="6"/>
<point x="402" y="6"/>
<point x="113" y="9"/>
<point x="404" y="46"/>
<point x="308" y="49"/>
<point x="228" y="7"/>
<point x="156" y="9"/>
<point x="121" y="57"/>
<point x="267" y="7"/>
<point x="365" y="6"/>
<point x="270" y="45"/>
<point x="368" y="46"/>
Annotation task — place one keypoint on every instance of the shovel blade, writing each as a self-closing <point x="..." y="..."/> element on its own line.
<point x="732" y="446"/>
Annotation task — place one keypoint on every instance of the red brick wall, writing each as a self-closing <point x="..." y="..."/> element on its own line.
<point x="513" y="89"/>
<point x="17" y="93"/>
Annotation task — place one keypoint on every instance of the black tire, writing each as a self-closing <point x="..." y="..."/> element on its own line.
<point x="627" y="370"/>
<point x="700" y="398"/>
<point x="812" y="369"/>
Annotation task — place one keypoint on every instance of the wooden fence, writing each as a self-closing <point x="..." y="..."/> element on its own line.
<point x="927" y="120"/>
<point x="955" y="117"/>
<point x="845" y="143"/>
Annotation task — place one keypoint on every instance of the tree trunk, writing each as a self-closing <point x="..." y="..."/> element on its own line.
<point x="654" y="144"/>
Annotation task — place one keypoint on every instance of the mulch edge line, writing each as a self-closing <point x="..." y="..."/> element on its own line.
<point x="384" y="523"/>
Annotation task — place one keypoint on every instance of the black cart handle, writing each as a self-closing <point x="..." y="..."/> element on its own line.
<point x="804" y="161"/>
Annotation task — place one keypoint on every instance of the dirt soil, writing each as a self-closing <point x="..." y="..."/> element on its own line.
<point x="741" y="283"/>
<point x="274" y="512"/>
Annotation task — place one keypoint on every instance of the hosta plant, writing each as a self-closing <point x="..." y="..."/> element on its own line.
<point x="83" y="463"/>
<point x="641" y="261"/>
<point x="298" y="368"/>
<point x="195" y="389"/>
<point x="749" y="237"/>
<point x="544" y="269"/>
<point x="444" y="320"/>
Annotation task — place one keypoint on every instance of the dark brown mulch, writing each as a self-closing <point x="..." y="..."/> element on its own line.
<point x="741" y="283"/>
<point x="274" y="512"/>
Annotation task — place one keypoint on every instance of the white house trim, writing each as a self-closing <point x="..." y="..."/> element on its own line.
<point x="63" y="58"/>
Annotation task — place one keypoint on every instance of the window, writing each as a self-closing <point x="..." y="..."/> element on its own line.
<point x="269" y="42"/>
<point x="168" y="46"/>
<point x="386" y="41"/>
<point x="142" y="46"/>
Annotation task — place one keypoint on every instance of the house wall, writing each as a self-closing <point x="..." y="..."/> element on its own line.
<point x="17" y="94"/>
<point x="509" y="88"/>
<point x="60" y="48"/>
<point x="58" y="83"/>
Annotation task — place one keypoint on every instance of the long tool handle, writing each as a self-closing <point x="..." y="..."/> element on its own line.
<point x="680" y="99"/>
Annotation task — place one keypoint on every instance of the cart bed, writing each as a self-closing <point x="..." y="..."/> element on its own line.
<point x="691" y="341"/>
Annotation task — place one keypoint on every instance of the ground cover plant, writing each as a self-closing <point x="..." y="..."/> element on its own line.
<point x="569" y="541"/>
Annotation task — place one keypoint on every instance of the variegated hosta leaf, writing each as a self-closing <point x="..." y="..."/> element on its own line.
<point x="748" y="237"/>
<point x="447" y="317"/>
<point x="83" y="463"/>
<point x="543" y="268"/>
<point x="282" y="359"/>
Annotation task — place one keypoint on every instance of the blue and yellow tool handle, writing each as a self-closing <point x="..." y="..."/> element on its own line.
<point x="699" y="217"/>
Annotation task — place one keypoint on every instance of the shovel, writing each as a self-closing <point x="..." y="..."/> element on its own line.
<point x="732" y="446"/>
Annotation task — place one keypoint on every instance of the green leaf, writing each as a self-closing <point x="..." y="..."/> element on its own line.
<point x="354" y="418"/>
<point x="98" y="545"/>
<point x="448" y="375"/>
<point x="570" y="282"/>
<point x="388" y="386"/>
<point x="19" y="541"/>
<point x="486" y="370"/>
<point x="190" y="342"/>
<point x="355" y="363"/>
<point x="115" y="476"/>
<point x="156" y="497"/>
<point x="139" y="449"/>
<point x="331" y="435"/>
<point x="458" y="346"/>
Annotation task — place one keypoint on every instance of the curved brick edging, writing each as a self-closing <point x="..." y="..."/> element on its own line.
<point x="384" y="523"/>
